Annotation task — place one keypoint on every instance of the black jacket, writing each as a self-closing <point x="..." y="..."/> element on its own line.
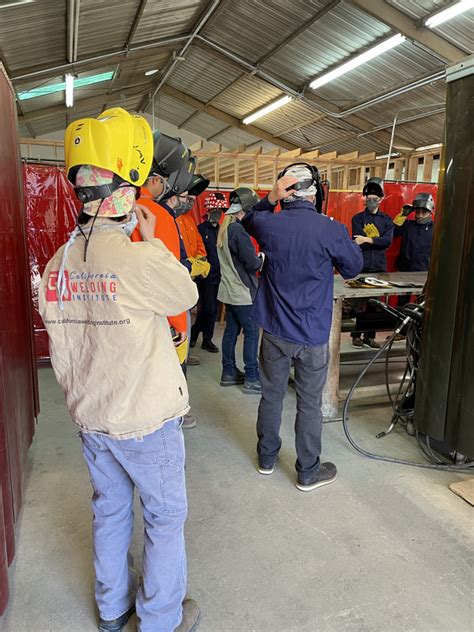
<point x="183" y="257"/>
<point x="415" y="251"/>
<point x="379" y="226"/>
<point x="208" y="233"/>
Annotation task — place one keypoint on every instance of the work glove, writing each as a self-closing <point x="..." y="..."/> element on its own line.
<point x="199" y="267"/>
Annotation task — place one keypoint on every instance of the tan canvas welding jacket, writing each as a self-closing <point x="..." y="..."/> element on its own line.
<point x="111" y="347"/>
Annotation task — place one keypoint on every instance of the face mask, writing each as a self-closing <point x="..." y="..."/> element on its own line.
<point x="423" y="220"/>
<point x="214" y="217"/>
<point x="372" y="205"/>
<point x="129" y="227"/>
<point x="181" y="207"/>
<point x="188" y="205"/>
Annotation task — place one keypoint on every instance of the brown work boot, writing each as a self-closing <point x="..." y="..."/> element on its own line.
<point x="193" y="361"/>
<point x="191" y="617"/>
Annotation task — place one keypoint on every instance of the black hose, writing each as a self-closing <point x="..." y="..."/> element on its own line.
<point x="379" y="457"/>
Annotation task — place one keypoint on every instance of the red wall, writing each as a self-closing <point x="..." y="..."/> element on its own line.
<point x="18" y="381"/>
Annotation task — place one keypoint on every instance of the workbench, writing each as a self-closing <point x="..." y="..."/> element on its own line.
<point x="342" y="291"/>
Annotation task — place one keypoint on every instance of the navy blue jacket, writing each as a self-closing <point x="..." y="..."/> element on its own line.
<point x="369" y="224"/>
<point x="244" y="256"/>
<point x="415" y="251"/>
<point x="183" y="256"/>
<point x="295" y="294"/>
<point x="208" y="233"/>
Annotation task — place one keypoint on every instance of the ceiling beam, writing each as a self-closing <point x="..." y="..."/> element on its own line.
<point x="220" y="115"/>
<point x="135" y="23"/>
<point x="413" y="30"/>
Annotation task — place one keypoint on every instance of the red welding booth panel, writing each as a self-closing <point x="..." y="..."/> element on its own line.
<point x="18" y="393"/>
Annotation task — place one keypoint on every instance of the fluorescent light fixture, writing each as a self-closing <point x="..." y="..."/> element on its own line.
<point x="60" y="87"/>
<point x="428" y="147"/>
<point x="5" y="5"/>
<point x="266" y="110"/>
<point x="358" y="61"/>
<point x="69" y="90"/>
<point x="151" y="72"/>
<point x="449" y="13"/>
<point x="386" y="156"/>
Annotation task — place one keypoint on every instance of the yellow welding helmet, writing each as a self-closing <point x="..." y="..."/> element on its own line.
<point x="116" y="140"/>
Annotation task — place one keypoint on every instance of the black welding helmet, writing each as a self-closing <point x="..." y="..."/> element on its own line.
<point x="179" y="181"/>
<point x="198" y="185"/>
<point x="169" y="155"/>
<point x="246" y="197"/>
<point x="424" y="201"/>
<point x="373" y="186"/>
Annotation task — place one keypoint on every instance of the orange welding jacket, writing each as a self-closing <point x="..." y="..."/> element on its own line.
<point x="165" y="229"/>
<point x="192" y="239"/>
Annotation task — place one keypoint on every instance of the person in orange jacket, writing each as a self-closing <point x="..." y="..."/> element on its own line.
<point x="166" y="230"/>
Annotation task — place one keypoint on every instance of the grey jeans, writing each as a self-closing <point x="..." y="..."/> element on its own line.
<point x="311" y="363"/>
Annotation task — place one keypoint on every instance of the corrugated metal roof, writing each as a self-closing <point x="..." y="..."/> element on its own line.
<point x="459" y="30"/>
<point x="33" y="34"/>
<point x="339" y="33"/>
<point x="204" y="125"/>
<point x="167" y="18"/>
<point x="102" y="27"/>
<point x="170" y="109"/>
<point x="203" y="75"/>
<point x="246" y="96"/>
<point x="252" y="28"/>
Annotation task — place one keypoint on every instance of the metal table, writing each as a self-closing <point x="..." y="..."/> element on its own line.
<point x="342" y="291"/>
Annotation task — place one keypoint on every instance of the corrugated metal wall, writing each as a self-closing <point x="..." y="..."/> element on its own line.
<point x="18" y="385"/>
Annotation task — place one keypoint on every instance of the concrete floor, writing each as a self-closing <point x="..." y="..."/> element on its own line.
<point x="385" y="548"/>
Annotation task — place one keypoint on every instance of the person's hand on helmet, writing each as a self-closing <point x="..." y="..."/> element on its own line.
<point x="146" y="222"/>
<point x="279" y="191"/>
<point x="406" y="209"/>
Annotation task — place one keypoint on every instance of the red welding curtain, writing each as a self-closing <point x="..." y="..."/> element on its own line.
<point x="51" y="210"/>
<point x="18" y="395"/>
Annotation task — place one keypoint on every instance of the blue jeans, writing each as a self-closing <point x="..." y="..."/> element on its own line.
<point x="238" y="318"/>
<point x="155" y="467"/>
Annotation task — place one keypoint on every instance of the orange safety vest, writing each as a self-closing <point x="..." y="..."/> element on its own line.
<point x="165" y="229"/>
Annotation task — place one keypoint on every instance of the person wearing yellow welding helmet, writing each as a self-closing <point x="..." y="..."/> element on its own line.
<point x="105" y="310"/>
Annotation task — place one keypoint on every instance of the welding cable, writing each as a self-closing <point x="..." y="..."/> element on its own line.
<point x="378" y="457"/>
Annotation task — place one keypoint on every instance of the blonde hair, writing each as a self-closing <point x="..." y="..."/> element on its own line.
<point x="226" y="222"/>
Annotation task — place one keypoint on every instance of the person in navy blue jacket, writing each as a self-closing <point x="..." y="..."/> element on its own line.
<point x="372" y="230"/>
<point x="208" y="287"/>
<point x="293" y="306"/>
<point x="417" y="237"/>
<point x="417" y="234"/>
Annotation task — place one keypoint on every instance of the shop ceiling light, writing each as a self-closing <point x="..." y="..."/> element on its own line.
<point x="69" y="81"/>
<point x="266" y="110"/>
<point x="151" y="72"/>
<point x="449" y="13"/>
<point x="363" y="58"/>
<point x="428" y="147"/>
<point x="61" y="87"/>
<point x="5" y="5"/>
